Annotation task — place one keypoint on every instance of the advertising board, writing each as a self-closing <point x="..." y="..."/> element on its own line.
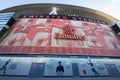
<point x="60" y="36"/>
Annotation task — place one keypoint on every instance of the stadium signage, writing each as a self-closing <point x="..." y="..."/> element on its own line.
<point x="70" y="37"/>
<point x="69" y="33"/>
<point x="62" y="17"/>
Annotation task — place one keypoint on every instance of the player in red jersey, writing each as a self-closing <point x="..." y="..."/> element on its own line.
<point x="20" y="32"/>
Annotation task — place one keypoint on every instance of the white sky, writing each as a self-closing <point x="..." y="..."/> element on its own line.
<point x="111" y="7"/>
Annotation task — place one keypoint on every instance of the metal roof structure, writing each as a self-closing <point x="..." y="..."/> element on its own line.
<point x="62" y="10"/>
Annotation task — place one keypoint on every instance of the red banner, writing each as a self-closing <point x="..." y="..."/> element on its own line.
<point x="58" y="36"/>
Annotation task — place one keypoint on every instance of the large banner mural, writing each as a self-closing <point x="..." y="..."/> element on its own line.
<point x="60" y="36"/>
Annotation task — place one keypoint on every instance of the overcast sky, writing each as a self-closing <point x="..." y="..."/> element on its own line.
<point x="111" y="7"/>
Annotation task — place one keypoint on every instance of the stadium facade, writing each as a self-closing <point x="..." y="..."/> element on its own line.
<point x="36" y="38"/>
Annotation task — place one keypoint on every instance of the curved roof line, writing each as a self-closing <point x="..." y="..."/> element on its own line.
<point x="63" y="9"/>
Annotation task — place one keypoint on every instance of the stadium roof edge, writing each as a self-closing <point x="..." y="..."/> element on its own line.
<point x="63" y="9"/>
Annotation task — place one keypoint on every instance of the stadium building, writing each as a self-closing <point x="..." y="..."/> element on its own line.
<point x="51" y="41"/>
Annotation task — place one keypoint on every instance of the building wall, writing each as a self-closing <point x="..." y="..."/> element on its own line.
<point x="50" y="36"/>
